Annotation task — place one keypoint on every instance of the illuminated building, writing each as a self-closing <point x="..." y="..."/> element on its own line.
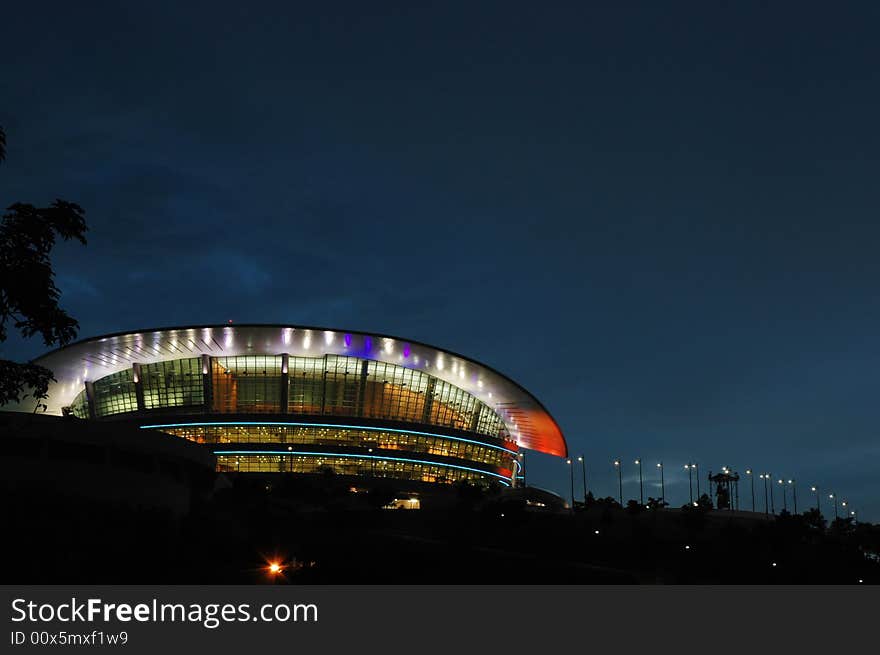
<point x="282" y="399"/>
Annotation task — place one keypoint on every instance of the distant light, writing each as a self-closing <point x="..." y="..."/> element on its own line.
<point x="595" y="532"/>
<point x="774" y="564"/>
<point x="636" y="462"/>
<point x="687" y="547"/>
<point x="274" y="567"/>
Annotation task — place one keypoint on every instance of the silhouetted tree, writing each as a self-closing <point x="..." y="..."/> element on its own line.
<point x="704" y="502"/>
<point x="28" y="295"/>
<point x="633" y="506"/>
<point x="814" y="519"/>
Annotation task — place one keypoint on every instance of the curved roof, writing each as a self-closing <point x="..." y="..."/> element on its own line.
<point x="526" y="418"/>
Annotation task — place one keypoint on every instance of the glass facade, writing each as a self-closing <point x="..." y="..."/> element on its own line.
<point x="329" y="464"/>
<point x="80" y="405"/>
<point x="316" y="386"/>
<point x="343" y="437"/>
<point x="115" y="394"/>
<point x="175" y="383"/>
<point x="354" y="416"/>
<point x="246" y="384"/>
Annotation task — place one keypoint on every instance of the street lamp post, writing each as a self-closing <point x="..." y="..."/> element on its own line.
<point x="662" y="484"/>
<point x="834" y="498"/>
<point x="752" y="481"/>
<point x="769" y="476"/>
<point x="696" y="468"/>
<point x="688" y="468"/>
<point x="583" y="462"/>
<point x="522" y="467"/>
<point x="784" y="496"/>
<point x="793" y="486"/>
<point x="763" y="476"/>
<point x="815" y="490"/>
<point x="641" y="486"/>
<point x="571" y="476"/>
<point x="619" y="481"/>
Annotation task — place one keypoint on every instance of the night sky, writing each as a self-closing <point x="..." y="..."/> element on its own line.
<point x="659" y="218"/>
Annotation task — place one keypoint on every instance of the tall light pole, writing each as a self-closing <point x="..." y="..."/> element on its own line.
<point x="662" y="483"/>
<point x="571" y="476"/>
<point x="769" y="476"/>
<point x="641" y="486"/>
<point x="784" y="496"/>
<point x="619" y="481"/>
<point x="583" y="462"/>
<point x="763" y="476"/>
<point x="793" y="486"/>
<point x="522" y="467"/>
<point x="752" y="481"/>
<point x="688" y="468"/>
<point x="696" y="468"/>
<point x="815" y="490"/>
<point x="834" y="498"/>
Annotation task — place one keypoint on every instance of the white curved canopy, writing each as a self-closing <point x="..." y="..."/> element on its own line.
<point x="526" y="419"/>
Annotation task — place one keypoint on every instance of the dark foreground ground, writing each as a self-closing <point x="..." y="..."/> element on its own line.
<point x="477" y="539"/>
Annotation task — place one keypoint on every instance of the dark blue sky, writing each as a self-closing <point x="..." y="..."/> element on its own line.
<point x="662" y="220"/>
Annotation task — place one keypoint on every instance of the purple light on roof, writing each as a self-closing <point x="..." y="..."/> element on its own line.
<point x="347" y="339"/>
<point x="406" y="350"/>
<point x="368" y="344"/>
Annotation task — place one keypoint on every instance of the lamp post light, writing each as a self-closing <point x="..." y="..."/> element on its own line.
<point x="752" y="481"/>
<point x="662" y="483"/>
<point x="793" y="486"/>
<point x="522" y="467"/>
<point x="689" y="469"/>
<point x="834" y="498"/>
<point x="372" y="463"/>
<point x="763" y="476"/>
<point x="583" y="462"/>
<point x="571" y="476"/>
<point x="843" y="504"/>
<point x="769" y="476"/>
<point x="815" y="490"/>
<point x="696" y="468"/>
<point x="641" y="486"/>
<point x="619" y="481"/>
<point x="784" y="496"/>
